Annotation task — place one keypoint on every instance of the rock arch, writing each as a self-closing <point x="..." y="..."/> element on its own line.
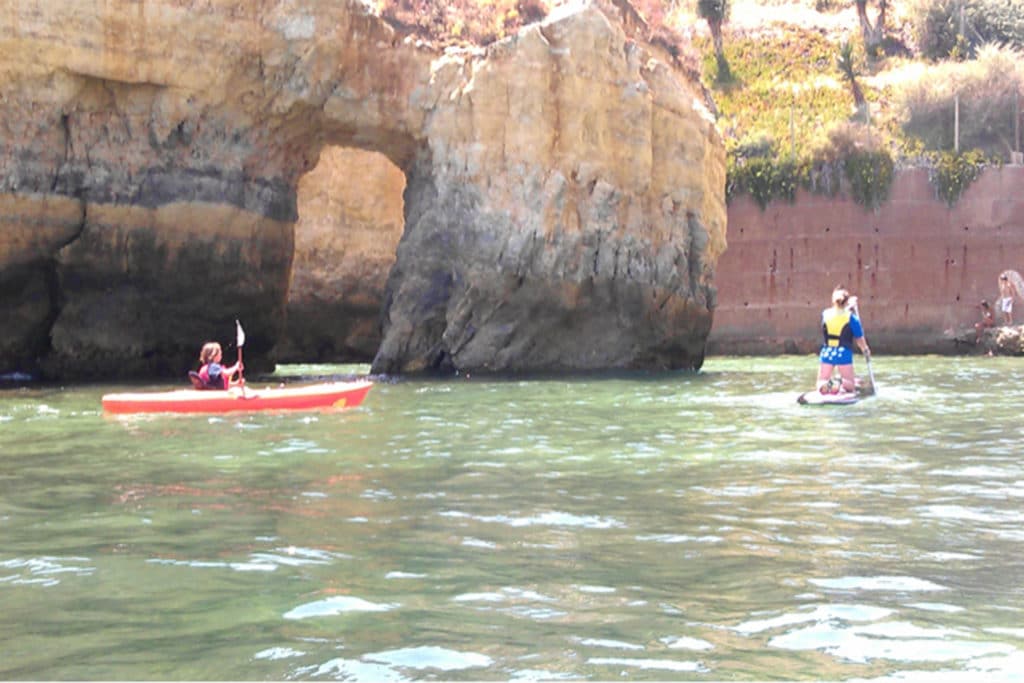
<point x="350" y="220"/>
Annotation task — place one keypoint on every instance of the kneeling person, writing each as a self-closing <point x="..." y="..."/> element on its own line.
<point x="841" y="327"/>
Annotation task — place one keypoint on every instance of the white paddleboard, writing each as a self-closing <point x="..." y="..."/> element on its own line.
<point x="816" y="398"/>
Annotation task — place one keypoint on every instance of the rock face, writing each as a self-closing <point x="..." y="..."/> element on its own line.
<point x="563" y="202"/>
<point x="583" y="176"/>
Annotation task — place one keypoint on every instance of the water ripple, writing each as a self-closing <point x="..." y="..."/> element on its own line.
<point x="893" y="641"/>
<point x="552" y="518"/>
<point x="649" y="664"/>
<point x="823" y="613"/>
<point x="610" y="644"/>
<point x="878" y="583"/>
<point x="428" y="657"/>
<point x="333" y="606"/>
<point x="686" y="643"/>
<point x="43" y="571"/>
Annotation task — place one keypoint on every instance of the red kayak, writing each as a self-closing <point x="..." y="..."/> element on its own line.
<point x="310" y="397"/>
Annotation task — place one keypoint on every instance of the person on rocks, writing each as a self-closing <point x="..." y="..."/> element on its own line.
<point x="213" y="375"/>
<point x="842" y="329"/>
<point x="1006" y="294"/>
<point x="988" y="319"/>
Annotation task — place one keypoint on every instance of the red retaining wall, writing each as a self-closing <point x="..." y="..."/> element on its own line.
<point x="918" y="267"/>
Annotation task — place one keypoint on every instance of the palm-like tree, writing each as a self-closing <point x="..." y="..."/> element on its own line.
<point x="872" y="33"/>
<point x="847" y="66"/>
<point x="716" y="13"/>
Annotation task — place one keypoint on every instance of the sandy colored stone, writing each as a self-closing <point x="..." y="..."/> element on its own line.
<point x="562" y="205"/>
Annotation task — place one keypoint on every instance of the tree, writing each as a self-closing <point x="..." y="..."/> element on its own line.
<point x="716" y="13"/>
<point x="873" y="34"/>
<point x="847" y="65"/>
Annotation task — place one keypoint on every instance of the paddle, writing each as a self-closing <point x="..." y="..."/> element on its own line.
<point x="871" y="376"/>
<point x="240" y="342"/>
<point x="867" y="357"/>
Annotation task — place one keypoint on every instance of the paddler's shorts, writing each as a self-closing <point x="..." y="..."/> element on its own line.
<point x="836" y="355"/>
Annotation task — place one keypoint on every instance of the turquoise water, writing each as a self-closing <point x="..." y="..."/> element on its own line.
<point x="651" y="526"/>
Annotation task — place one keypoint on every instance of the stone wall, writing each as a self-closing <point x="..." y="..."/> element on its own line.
<point x="919" y="267"/>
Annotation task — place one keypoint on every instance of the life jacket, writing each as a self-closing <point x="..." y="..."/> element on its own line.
<point x="836" y="327"/>
<point x="216" y="381"/>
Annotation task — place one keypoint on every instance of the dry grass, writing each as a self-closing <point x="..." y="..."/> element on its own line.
<point x="984" y="88"/>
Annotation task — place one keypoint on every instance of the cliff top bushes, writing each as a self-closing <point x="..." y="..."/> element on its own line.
<point x="942" y="31"/>
<point x="986" y="90"/>
<point x="481" y="22"/>
<point x="845" y="154"/>
<point x="800" y="70"/>
<point x="478" y="22"/>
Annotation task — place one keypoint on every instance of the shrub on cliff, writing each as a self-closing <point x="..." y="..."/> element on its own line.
<point x="846" y="155"/>
<point x="870" y="173"/>
<point x="754" y="166"/>
<point x="987" y="89"/>
<point x="951" y="173"/>
<point x="461" y="21"/>
<point x="482" y="22"/>
<point x="846" y="150"/>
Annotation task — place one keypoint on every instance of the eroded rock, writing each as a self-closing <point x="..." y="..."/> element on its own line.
<point x="564" y="203"/>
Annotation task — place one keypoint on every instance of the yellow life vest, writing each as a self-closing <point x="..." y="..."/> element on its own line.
<point x="836" y="326"/>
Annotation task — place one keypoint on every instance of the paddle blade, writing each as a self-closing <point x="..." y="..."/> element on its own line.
<point x="239" y="334"/>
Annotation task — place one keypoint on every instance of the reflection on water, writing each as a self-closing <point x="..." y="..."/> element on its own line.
<point x="652" y="526"/>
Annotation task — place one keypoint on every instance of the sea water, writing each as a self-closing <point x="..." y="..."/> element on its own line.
<point x="645" y="526"/>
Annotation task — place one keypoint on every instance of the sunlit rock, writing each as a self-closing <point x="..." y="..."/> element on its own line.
<point x="563" y="204"/>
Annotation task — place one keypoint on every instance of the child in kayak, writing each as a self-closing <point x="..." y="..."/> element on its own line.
<point x="213" y="375"/>
<point x="841" y="327"/>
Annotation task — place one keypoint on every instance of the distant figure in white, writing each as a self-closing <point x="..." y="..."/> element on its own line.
<point x="1011" y="286"/>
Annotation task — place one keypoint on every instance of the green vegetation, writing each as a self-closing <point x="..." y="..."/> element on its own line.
<point x="809" y="106"/>
<point x="952" y="173"/>
<point x="846" y="152"/>
<point x="829" y="95"/>
<point x="943" y="32"/>
<point x="984" y="89"/>
<point x="870" y="176"/>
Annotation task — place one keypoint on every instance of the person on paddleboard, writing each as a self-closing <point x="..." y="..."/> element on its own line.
<point x="213" y="375"/>
<point x="841" y="327"/>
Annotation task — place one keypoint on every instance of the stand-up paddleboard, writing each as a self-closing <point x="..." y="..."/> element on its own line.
<point x="816" y="398"/>
<point x="843" y="398"/>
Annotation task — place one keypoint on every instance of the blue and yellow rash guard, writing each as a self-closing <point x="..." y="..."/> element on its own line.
<point x="840" y="329"/>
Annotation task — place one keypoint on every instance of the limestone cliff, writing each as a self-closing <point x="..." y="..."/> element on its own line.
<point x="563" y="202"/>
